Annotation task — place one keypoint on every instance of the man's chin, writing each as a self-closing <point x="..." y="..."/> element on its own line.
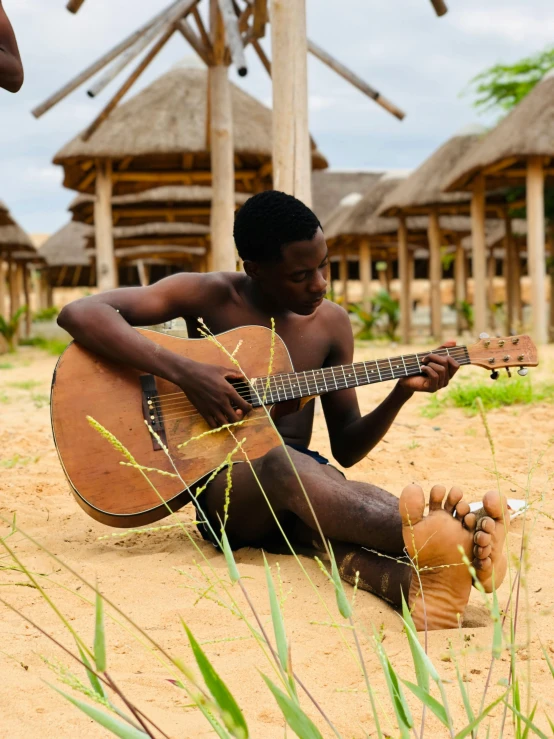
<point x="306" y="309"/>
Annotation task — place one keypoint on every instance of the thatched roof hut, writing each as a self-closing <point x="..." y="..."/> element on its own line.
<point x="173" y="203"/>
<point x="14" y="239"/>
<point x="422" y="191"/>
<point x="67" y="262"/>
<point x="157" y="234"/>
<point x="525" y="132"/>
<point x="5" y="217"/>
<point x="164" y="130"/>
<point x="330" y="186"/>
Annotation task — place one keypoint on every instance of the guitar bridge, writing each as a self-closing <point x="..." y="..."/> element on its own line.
<point x="152" y="411"/>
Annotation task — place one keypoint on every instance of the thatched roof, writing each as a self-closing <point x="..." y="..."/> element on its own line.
<point x="5" y="217"/>
<point x="329" y="187"/>
<point x="165" y="128"/>
<point x="67" y="246"/>
<point x="422" y="190"/>
<point x="495" y="231"/>
<point x="526" y="131"/>
<point x="156" y="234"/>
<point x="176" y="203"/>
<point x="14" y="238"/>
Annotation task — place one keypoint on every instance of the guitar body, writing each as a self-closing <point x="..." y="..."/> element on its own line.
<point x="85" y="384"/>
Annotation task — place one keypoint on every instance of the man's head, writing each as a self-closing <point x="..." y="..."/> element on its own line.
<point x="283" y="249"/>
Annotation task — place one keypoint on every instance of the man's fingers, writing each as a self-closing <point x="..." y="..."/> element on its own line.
<point x="241" y="403"/>
<point x="440" y="372"/>
<point x="453" y="367"/>
<point x="431" y="375"/>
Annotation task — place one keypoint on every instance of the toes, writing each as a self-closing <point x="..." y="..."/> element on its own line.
<point x="482" y="539"/>
<point x="486" y="524"/>
<point x="454" y="497"/>
<point x="412" y="505"/>
<point x="482" y="552"/>
<point x="462" y="509"/>
<point x="470" y="521"/>
<point x="494" y="504"/>
<point x="437" y="496"/>
<point x="483" y="565"/>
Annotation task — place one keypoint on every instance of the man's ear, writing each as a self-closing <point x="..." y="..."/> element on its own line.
<point x="251" y="268"/>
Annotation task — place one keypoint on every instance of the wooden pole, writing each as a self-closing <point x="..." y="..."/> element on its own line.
<point x="291" y="138"/>
<point x="234" y="39"/>
<point x="2" y="287"/>
<point x="353" y="78"/>
<point x="343" y="275"/>
<point x="491" y="271"/>
<point x="404" y="263"/>
<point x="435" y="275"/>
<point x="27" y="293"/>
<point x="535" y="247"/>
<point x="105" y="258"/>
<point x="460" y="284"/>
<point x="551" y="270"/>
<point x="365" y="273"/>
<point x="74" y="5"/>
<point x="143" y="270"/>
<point x="479" y="257"/>
<point x="17" y="275"/>
<point x="440" y="7"/>
<point x="509" y="273"/>
<point x="11" y="284"/>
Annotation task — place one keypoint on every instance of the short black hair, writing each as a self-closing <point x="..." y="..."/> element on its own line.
<point x="270" y="220"/>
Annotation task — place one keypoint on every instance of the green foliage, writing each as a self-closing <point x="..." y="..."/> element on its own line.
<point x="384" y="317"/>
<point x="465" y="310"/>
<point x="388" y="308"/>
<point x="501" y="87"/>
<point x="25" y="385"/>
<point x="9" y="326"/>
<point x="46" y="314"/>
<point x="295" y="717"/>
<point x="367" y="321"/>
<point x="99" y="635"/>
<point x="53" y="346"/>
<point x="17" y="461"/>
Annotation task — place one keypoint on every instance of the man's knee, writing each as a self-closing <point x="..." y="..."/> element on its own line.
<point x="277" y="465"/>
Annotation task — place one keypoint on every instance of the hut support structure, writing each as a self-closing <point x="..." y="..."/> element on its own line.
<point x="460" y="285"/>
<point x="343" y="276"/>
<point x="435" y="275"/>
<point x="105" y="257"/>
<point x="535" y="247"/>
<point x="365" y="273"/>
<point x="27" y="294"/>
<point x="479" y="256"/>
<point x="291" y="138"/>
<point x="2" y="287"/>
<point x="405" y="265"/>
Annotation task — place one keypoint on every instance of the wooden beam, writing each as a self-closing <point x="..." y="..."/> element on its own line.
<point x="440" y="7"/>
<point x="217" y="33"/>
<point x="76" y="275"/>
<point x="260" y="18"/>
<point x="204" y="52"/>
<point x="460" y="285"/>
<point x="479" y="256"/>
<point x="202" y="29"/>
<point x="491" y="271"/>
<point x="343" y="276"/>
<point x="74" y="5"/>
<point x="535" y="247"/>
<point x="154" y="51"/>
<point x="353" y="78"/>
<point x="435" y="275"/>
<point x="234" y="39"/>
<point x="404" y="263"/>
<point x="262" y="55"/>
<point x="98" y="65"/>
<point x="27" y="294"/>
<point x="105" y="259"/>
<point x="191" y="177"/>
<point x="365" y="273"/>
<point x="499" y="166"/>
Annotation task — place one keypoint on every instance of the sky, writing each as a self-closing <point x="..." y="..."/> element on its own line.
<point x="418" y="61"/>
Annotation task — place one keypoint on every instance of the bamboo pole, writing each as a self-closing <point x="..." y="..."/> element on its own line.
<point x="405" y="282"/>
<point x="74" y="5"/>
<point x="509" y="273"/>
<point x="90" y="71"/>
<point x="105" y="258"/>
<point x="435" y="275"/>
<point x="27" y="294"/>
<point x="291" y="138"/>
<point x="11" y="285"/>
<point x="491" y="271"/>
<point x="365" y="273"/>
<point x="460" y="284"/>
<point x="535" y="247"/>
<point x="353" y="78"/>
<point x="2" y="287"/>
<point x="343" y="276"/>
<point x="234" y="39"/>
<point x="204" y="52"/>
<point x="129" y="82"/>
<point x="440" y="7"/>
<point x="479" y="255"/>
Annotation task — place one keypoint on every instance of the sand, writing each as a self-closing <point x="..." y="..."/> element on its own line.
<point x="154" y="579"/>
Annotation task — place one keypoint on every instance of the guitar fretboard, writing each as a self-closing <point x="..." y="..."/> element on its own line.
<point x="296" y="385"/>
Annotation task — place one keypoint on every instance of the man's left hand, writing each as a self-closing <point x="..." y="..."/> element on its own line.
<point x="437" y="371"/>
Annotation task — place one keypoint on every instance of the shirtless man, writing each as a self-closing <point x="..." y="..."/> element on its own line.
<point x="11" y="68"/>
<point x="286" y="267"/>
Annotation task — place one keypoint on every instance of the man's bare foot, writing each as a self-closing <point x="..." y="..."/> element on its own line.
<point x="489" y="535"/>
<point x="433" y="544"/>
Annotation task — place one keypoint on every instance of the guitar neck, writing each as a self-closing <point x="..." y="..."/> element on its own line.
<point x="297" y="385"/>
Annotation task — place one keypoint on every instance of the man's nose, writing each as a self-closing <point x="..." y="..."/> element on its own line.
<point x="319" y="283"/>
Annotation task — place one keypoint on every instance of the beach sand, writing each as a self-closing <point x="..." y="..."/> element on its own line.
<point x="153" y="577"/>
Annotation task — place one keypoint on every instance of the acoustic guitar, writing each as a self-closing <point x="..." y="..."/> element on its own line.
<point x="125" y="402"/>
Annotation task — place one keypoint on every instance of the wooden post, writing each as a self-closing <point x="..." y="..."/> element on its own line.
<point x="105" y="259"/>
<point x="2" y="287"/>
<point x="27" y="293"/>
<point x="17" y="279"/>
<point x="509" y="273"/>
<point x="291" y="138"/>
<point x="551" y="273"/>
<point x="491" y="271"/>
<point x="143" y="273"/>
<point x="460" y="284"/>
<point x="343" y="276"/>
<point x="479" y="256"/>
<point x="405" y="275"/>
<point x="435" y="275"/>
<point x="365" y="273"/>
<point x="535" y="247"/>
<point x="11" y="285"/>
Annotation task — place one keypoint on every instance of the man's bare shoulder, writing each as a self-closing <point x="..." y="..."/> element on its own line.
<point x="334" y="315"/>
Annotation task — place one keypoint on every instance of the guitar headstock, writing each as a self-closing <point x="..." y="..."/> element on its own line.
<point x="495" y="353"/>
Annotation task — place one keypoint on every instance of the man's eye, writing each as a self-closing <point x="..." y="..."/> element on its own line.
<point x="299" y="278"/>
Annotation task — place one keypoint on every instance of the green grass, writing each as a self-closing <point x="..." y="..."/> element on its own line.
<point x="26" y="385"/>
<point x="494" y="394"/>
<point x="40" y="399"/>
<point x="4" y="398"/>
<point x="17" y="461"/>
<point x="6" y="365"/>
<point x="53" y="346"/>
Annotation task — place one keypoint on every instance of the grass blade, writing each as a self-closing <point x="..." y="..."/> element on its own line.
<point x="230" y="712"/>
<point x="343" y="603"/>
<point x="427" y="699"/>
<point x="231" y="564"/>
<point x="401" y="708"/>
<point x="277" y="618"/>
<point x="463" y="689"/>
<point x="93" y="680"/>
<point x="548" y="662"/>
<point x="295" y="717"/>
<point x="497" y="629"/>
<point x="528" y="721"/>
<point x="99" y="636"/>
<point x="214" y="723"/>
<point x="476" y="721"/>
<point x="531" y="717"/>
<point x="117" y="727"/>
<point x="421" y="671"/>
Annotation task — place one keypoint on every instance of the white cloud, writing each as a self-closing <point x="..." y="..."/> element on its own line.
<point x="513" y="24"/>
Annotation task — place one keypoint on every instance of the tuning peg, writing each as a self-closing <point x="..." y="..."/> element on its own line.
<point x="508" y="372"/>
<point x="523" y="371"/>
<point x="494" y="375"/>
<point x="484" y="336"/>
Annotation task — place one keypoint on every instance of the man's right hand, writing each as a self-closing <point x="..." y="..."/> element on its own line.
<point x="209" y="390"/>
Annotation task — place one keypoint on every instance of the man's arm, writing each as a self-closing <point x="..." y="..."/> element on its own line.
<point x="352" y="435"/>
<point x="11" y="68"/>
<point x="103" y="323"/>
